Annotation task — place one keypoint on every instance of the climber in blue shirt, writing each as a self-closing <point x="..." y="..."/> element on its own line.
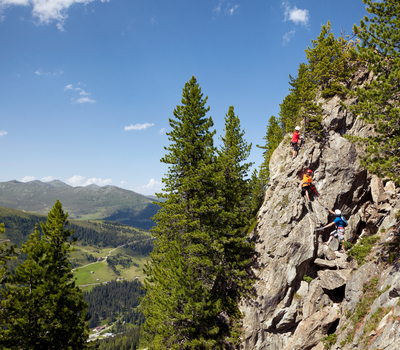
<point x="340" y="225"/>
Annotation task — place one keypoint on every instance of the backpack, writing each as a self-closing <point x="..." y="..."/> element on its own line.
<point x="345" y="224"/>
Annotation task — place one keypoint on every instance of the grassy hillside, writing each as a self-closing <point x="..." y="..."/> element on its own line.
<point x="89" y="203"/>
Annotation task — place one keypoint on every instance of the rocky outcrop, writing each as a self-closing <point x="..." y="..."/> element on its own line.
<point x="287" y="312"/>
<point x="312" y="329"/>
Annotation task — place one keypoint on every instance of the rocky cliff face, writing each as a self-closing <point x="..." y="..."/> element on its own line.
<point x="355" y="306"/>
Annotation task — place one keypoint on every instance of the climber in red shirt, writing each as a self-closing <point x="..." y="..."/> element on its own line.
<point x="295" y="140"/>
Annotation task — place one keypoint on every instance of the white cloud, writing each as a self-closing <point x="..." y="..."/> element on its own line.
<point x="40" y="72"/>
<point x="81" y="93"/>
<point x="3" y="132"/>
<point x="217" y="9"/>
<point x="75" y="180"/>
<point x="295" y="15"/>
<point x="228" y="9"/>
<point x="84" y="100"/>
<point x="28" y="178"/>
<point x="138" y="126"/>
<point x="48" y="178"/>
<point x="47" y="11"/>
<point x="232" y="9"/>
<point x="123" y="183"/>
<point x="162" y="131"/>
<point x="96" y="181"/>
<point x="288" y="36"/>
<point x="152" y="187"/>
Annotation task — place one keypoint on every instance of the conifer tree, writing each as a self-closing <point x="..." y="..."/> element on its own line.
<point x="179" y="311"/>
<point x="231" y="281"/>
<point x="257" y="192"/>
<point x="7" y="252"/>
<point x="300" y="103"/>
<point x="331" y="62"/>
<point x="44" y="308"/>
<point x="378" y="101"/>
<point x="273" y="138"/>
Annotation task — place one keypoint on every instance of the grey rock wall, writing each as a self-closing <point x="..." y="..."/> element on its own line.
<point x="284" y="311"/>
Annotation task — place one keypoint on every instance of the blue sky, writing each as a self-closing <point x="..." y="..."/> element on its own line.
<point x="87" y="86"/>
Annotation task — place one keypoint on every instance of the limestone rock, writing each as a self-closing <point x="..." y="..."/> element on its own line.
<point x="331" y="280"/>
<point x="352" y="229"/>
<point x="390" y="187"/>
<point x="283" y="311"/>
<point x="312" y="329"/>
<point x="303" y="290"/>
<point x="376" y="188"/>
<point x="354" y="287"/>
<point x="319" y="346"/>
<point x="332" y="264"/>
<point x="315" y="300"/>
<point x="389" y="338"/>
<point x="328" y="252"/>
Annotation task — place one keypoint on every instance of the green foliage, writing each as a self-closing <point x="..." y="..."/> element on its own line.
<point x="115" y="300"/>
<point x="43" y="306"/>
<point x="348" y="245"/>
<point x="272" y="140"/>
<point x="128" y="340"/>
<point x="7" y="252"/>
<point x="197" y="271"/>
<point x="330" y="65"/>
<point x="331" y="62"/>
<point x="363" y="248"/>
<point x="307" y="278"/>
<point x="378" y="101"/>
<point x="329" y="340"/>
<point x="257" y="192"/>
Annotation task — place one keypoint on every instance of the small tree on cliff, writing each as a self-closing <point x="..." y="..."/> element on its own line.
<point x="331" y="62"/>
<point x="272" y="139"/>
<point x="378" y="102"/>
<point x="300" y="102"/>
<point x="44" y="308"/>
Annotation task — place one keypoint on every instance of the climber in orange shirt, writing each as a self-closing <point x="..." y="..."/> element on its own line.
<point x="307" y="184"/>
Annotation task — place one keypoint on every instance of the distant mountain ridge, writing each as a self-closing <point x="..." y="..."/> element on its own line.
<point x="91" y="202"/>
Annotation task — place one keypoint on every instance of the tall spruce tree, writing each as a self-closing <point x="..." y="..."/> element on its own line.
<point x="44" y="308"/>
<point x="378" y="101"/>
<point x="235" y="253"/>
<point x="179" y="310"/>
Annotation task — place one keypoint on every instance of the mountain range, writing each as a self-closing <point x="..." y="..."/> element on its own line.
<point x="91" y="202"/>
